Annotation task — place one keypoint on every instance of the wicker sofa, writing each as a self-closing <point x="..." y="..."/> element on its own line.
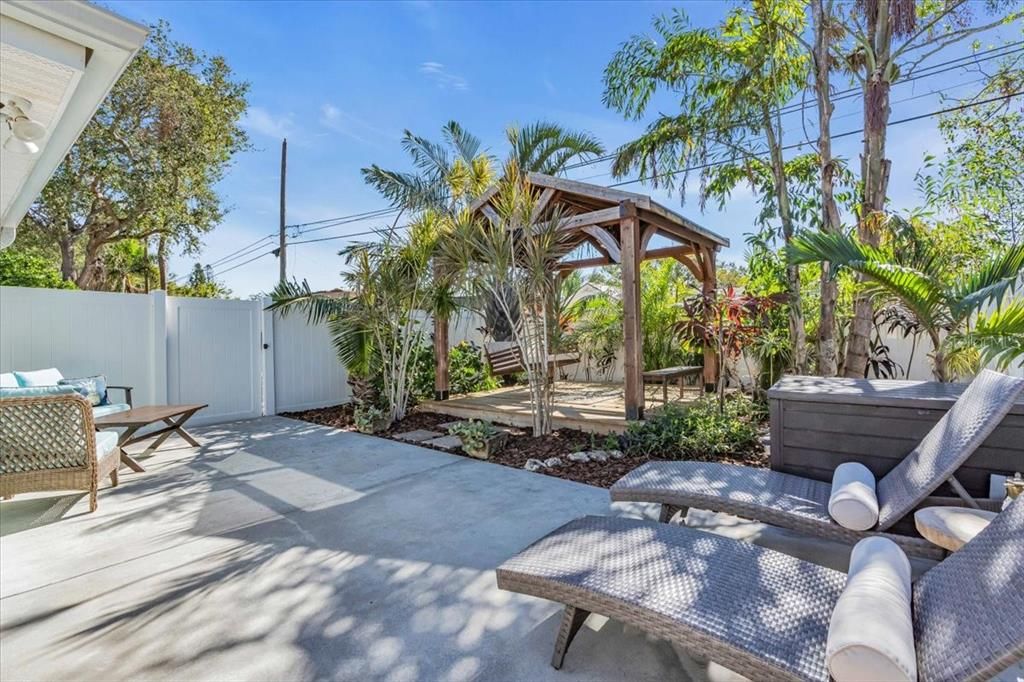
<point x="11" y="387"/>
<point x="49" y="441"/>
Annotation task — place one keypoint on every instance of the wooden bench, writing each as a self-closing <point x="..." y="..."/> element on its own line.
<point x="504" y="358"/>
<point x="667" y="374"/>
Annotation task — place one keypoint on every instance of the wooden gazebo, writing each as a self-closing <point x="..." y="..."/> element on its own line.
<point x="620" y="227"/>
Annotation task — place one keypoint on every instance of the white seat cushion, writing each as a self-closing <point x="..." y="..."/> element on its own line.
<point x="853" y="503"/>
<point x="951" y="527"/>
<point x="40" y="377"/>
<point x="8" y="380"/>
<point x="105" y="442"/>
<point x="871" y="633"/>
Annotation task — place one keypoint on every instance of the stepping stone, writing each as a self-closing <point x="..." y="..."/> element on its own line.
<point x="444" y="442"/>
<point x="418" y="435"/>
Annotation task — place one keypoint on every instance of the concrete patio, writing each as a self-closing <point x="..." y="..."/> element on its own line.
<point x="280" y="550"/>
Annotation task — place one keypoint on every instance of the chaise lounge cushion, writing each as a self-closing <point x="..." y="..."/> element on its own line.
<point x="8" y="380"/>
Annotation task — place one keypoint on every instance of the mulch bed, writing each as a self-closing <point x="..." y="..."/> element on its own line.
<point x="521" y="445"/>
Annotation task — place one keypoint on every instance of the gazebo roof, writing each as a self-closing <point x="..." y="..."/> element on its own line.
<point x="592" y="213"/>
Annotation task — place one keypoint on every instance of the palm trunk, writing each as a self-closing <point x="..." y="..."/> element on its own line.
<point x="830" y="221"/>
<point x="874" y="175"/>
<point x="797" y="334"/>
<point x="161" y="261"/>
<point x="939" y="369"/>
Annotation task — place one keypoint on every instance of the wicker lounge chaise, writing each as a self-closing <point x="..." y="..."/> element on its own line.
<point x="801" y="504"/>
<point x="765" y="614"/>
<point x="49" y="442"/>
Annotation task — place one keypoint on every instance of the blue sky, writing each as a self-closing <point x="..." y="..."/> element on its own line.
<point x="342" y="80"/>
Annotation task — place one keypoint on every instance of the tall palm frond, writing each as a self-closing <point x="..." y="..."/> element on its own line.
<point x="544" y="147"/>
<point x="407" y="190"/>
<point x="991" y="282"/>
<point x="920" y="291"/>
<point x="999" y="336"/>
<point x="466" y="145"/>
<point x="351" y="339"/>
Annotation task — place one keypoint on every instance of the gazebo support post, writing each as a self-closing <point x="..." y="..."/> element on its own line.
<point x="709" y="283"/>
<point x="441" y="388"/>
<point x="629" y="238"/>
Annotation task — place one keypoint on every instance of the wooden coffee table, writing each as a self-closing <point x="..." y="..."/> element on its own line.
<point x="174" y="416"/>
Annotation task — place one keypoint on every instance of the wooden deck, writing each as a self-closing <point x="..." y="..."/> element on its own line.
<point x="590" y="407"/>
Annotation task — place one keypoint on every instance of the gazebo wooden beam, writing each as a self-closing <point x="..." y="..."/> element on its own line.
<point x="629" y="238"/>
<point x="608" y="243"/>
<point x="570" y="265"/>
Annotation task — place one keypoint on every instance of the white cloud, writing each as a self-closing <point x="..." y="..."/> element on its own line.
<point x="549" y="86"/>
<point x="436" y="72"/>
<point x="259" y="120"/>
<point x="339" y="121"/>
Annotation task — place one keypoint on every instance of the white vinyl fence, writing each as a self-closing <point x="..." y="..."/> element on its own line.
<point x="241" y="360"/>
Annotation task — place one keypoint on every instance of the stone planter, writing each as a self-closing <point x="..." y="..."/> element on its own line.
<point x="491" y="445"/>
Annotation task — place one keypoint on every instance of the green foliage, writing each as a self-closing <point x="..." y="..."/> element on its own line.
<point x="699" y="431"/>
<point x="127" y="267"/>
<point x="369" y="418"/>
<point x="597" y="327"/>
<point x="28" y="269"/>
<point x="467" y="370"/>
<point x="149" y="161"/>
<point x="474" y="434"/>
<point x="913" y="272"/>
<point x="200" y="284"/>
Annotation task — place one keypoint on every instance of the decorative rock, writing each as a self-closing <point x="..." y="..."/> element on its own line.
<point x="599" y="456"/>
<point x="579" y="457"/>
<point x="552" y="462"/>
<point x="533" y="465"/>
<point x="418" y="435"/>
<point x="615" y="454"/>
<point x="445" y="442"/>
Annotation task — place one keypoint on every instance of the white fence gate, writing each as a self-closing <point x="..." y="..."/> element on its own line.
<point x="215" y="356"/>
<point x="240" y="360"/>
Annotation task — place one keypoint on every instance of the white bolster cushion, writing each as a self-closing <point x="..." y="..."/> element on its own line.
<point x="871" y="635"/>
<point x="853" y="503"/>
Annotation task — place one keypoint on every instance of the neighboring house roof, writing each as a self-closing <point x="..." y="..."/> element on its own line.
<point x="63" y="57"/>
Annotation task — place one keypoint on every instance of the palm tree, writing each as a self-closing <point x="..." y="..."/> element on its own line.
<point x="946" y="307"/>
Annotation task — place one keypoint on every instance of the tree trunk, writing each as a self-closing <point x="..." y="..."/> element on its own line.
<point x="797" y="333"/>
<point x="90" y="276"/>
<point x="161" y="261"/>
<point x="67" y="258"/>
<point x="939" y="369"/>
<point x="874" y="175"/>
<point x="830" y="221"/>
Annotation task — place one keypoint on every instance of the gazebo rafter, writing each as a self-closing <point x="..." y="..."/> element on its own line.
<point x="619" y="225"/>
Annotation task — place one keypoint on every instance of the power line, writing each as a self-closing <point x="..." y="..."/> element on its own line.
<point x="848" y="133"/>
<point x="380" y="212"/>
<point x="852" y="93"/>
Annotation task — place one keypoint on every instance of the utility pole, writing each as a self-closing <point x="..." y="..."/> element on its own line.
<point x="282" y="254"/>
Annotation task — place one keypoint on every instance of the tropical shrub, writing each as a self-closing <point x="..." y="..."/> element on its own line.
<point x="971" y="314"/>
<point x="467" y="371"/>
<point x="701" y="431"/>
<point x="369" y="418"/>
<point x="474" y="434"/>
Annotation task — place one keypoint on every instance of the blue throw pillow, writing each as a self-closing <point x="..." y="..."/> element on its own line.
<point x="93" y="388"/>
